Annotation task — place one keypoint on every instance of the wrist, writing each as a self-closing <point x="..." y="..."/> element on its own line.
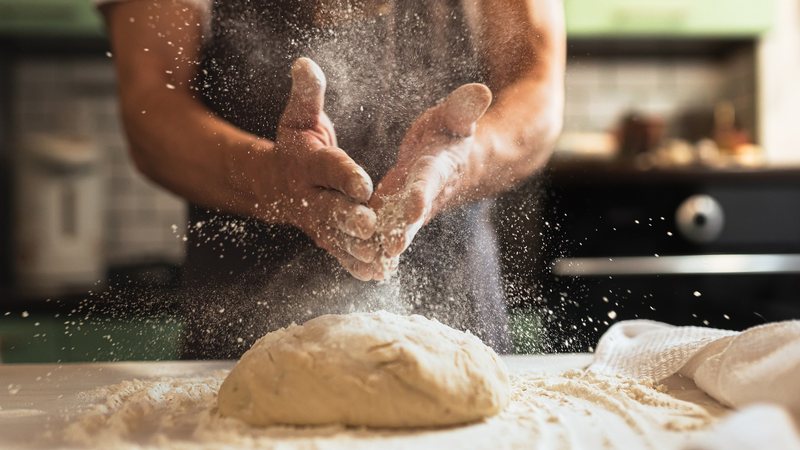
<point x="254" y="178"/>
<point x="478" y="157"/>
<point x="468" y="163"/>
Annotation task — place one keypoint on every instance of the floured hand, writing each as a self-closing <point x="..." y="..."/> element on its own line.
<point x="320" y="189"/>
<point x="431" y="160"/>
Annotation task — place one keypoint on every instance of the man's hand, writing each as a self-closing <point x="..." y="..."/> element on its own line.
<point x="315" y="185"/>
<point x="431" y="160"/>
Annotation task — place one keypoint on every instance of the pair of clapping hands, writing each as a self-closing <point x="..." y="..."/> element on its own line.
<point x="331" y="198"/>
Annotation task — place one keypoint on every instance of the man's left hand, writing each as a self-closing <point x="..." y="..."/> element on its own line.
<point x="432" y="160"/>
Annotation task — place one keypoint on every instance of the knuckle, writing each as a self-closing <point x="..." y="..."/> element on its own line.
<point x="360" y="271"/>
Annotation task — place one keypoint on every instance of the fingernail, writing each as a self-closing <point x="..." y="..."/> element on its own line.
<point x="361" y="190"/>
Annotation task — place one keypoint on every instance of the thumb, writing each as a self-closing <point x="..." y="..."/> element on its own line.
<point x="307" y="97"/>
<point x="464" y="106"/>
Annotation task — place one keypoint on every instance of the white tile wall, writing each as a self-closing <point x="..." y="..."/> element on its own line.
<point x="600" y="91"/>
<point x="779" y="85"/>
<point x="77" y="96"/>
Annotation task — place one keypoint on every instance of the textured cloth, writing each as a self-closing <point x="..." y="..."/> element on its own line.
<point x="754" y="428"/>
<point x="758" y="365"/>
<point x="757" y="369"/>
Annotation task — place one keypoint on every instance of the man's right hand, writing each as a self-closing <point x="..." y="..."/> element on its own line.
<point x="314" y="185"/>
<point x="302" y="179"/>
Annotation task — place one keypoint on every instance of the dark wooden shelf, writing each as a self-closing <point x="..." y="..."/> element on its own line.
<point x="589" y="171"/>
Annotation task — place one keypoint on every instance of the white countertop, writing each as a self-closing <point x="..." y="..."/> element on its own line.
<point x="38" y="400"/>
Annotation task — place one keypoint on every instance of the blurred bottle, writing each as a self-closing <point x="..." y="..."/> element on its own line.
<point x="727" y="134"/>
<point x="639" y="134"/>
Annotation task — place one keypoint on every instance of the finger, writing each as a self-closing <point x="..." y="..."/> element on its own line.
<point x="345" y="224"/>
<point x="342" y="213"/>
<point x="332" y="168"/>
<point x="307" y="97"/>
<point x="360" y="270"/>
<point x="397" y="240"/>
<point x="327" y="128"/>
<point x="427" y="180"/>
<point x="460" y="111"/>
<point x="365" y="251"/>
<point x="391" y="184"/>
<point x="357" y="221"/>
<point x="403" y="216"/>
<point x="385" y="268"/>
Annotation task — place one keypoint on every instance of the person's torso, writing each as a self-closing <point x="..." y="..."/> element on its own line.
<point x="385" y="64"/>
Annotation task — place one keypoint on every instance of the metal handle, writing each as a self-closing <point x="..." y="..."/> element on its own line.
<point x="679" y="265"/>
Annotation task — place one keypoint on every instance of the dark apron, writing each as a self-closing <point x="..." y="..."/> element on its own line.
<point x="245" y="278"/>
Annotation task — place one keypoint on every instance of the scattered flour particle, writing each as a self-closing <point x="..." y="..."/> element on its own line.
<point x="170" y="86"/>
<point x="25" y="314"/>
<point x="697" y="293"/>
<point x="544" y="408"/>
<point x="612" y="314"/>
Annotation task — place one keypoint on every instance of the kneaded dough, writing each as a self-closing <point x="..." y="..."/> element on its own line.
<point x="366" y="369"/>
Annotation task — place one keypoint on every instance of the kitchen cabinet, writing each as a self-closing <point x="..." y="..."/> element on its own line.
<point x="668" y="18"/>
<point x="585" y="18"/>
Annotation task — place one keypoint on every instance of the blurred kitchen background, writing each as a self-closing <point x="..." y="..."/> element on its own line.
<point x="674" y="193"/>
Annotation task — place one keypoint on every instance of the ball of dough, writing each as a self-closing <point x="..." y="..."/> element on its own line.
<point x="366" y="369"/>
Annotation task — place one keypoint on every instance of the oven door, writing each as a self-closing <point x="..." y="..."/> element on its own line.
<point x="687" y="247"/>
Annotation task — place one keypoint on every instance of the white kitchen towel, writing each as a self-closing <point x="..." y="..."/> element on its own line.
<point x="758" y="365"/>
<point x="756" y="427"/>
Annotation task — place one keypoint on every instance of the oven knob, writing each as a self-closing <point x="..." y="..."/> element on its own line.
<point x="700" y="218"/>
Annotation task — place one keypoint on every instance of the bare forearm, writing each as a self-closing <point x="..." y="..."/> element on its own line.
<point x="177" y="142"/>
<point x="516" y="136"/>
<point x="524" y="46"/>
<point x="174" y="139"/>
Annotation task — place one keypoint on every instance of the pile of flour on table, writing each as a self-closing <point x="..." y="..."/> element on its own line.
<point x="575" y="409"/>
